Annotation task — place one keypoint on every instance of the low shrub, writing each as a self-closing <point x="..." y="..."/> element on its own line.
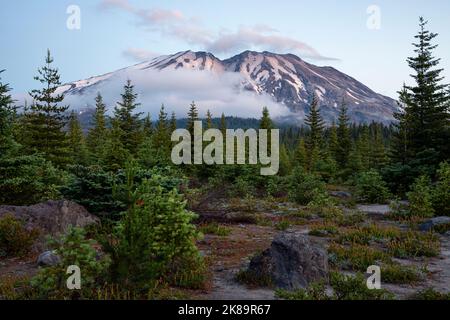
<point x="215" y="229"/>
<point x="356" y="257"/>
<point x="430" y="294"/>
<point x="15" y="239"/>
<point x="398" y="274"/>
<point x="420" y="201"/>
<point x="73" y="249"/>
<point x="347" y="287"/>
<point x="371" y="188"/>
<point x="304" y="187"/>
<point x="441" y="192"/>
<point x="414" y="244"/>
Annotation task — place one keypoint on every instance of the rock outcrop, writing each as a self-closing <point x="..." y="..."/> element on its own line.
<point x="51" y="217"/>
<point x="291" y="262"/>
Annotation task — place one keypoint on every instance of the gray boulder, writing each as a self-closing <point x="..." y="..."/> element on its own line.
<point x="291" y="262"/>
<point x="434" y="222"/>
<point x="52" y="217"/>
<point x="48" y="259"/>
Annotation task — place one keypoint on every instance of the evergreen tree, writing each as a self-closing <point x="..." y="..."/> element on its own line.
<point x="223" y="125"/>
<point x="46" y="119"/>
<point x="6" y="119"/>
<point x="378" y="156"/>
<point x="161" y="137"/>
<point x="316" y="126"/>
<point x="333" y="145"/>
<point x="77" y="148"/>
<point x="424" y="122"/>
<point x="192" y="117"/>
<point x="363" y="147"/>
<point x="301" y="156"/>
<point x="343" y="136"/>
<point x="266" y="122"/>
<point x="128" y="119"/>
<point x="173" y="123"/>
<point x="98" y="134"/>
<point x="209" y="124"/>
<point x="116" y="155"/>
<point x="147" y="128"/>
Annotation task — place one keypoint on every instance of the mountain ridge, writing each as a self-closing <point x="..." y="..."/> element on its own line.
<point x="285" y="78"/>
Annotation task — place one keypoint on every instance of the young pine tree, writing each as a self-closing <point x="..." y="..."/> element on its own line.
<point x="316" y="126"/>
<point x="46" y="119"/>
<point x="98" y="134"/>
<point x="78" y="151"/>
<point x="147" y="128"/>
<point x="343" y="137"/>
<point x="128" y="119"/>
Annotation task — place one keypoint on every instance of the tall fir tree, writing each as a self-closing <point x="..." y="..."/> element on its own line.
<point x="128" y="118"/>
<point x="378" y="156"/>
<point x="223" y="125"/>
<point x="161" y="135"/>
<point x="423" y="124"/>
<point x="344" y="137"/>
<point x="363" y="148"/>
<point x="78" y="151"/>
<point x="116" y="155"/>
<point x="147" y="128"/>
<point x="7" y="112"/>
<point x="46" y="118"/>
<point x="173" y="123"/>
<point x="192" y="117"/>
<point x="316" y="125"/>
<point x="266" y="121"/>
<point x="209" y="123"/>
<point x="98" y="133"/>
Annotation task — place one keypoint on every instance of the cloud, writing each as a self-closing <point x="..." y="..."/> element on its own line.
<point x="136" y="54"/>
<point x="178" y="88"/>
<point x="190" y="30"/>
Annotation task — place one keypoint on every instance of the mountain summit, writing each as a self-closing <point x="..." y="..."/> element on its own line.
<point x="285" y="79"/>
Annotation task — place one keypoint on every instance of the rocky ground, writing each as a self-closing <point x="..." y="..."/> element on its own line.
<point x="246" y="228"/>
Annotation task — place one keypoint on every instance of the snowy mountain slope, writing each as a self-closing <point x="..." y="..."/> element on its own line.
<point x="284" y="82"/>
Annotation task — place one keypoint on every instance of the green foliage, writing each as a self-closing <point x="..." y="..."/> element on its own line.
<point x="283" y="225"/>
<point x="316" y="291"/>
<point x="15" y="239"/>
<point x="6" y="119"/>
<point x="73" y="249"/>
<point x="46" y="119"/>
<point x="98" y="134"/>
<point x="430" y="294"/>
<point x="420" y="198"/>
<point x="356" y="257"/>
<point x="78" y="151"/>
<point x="441" y="192"/>
<point x="395" y="273"/>
<point x="347" y="287"/>
<point x="413" y="244"/>
<point x="155" y="236"/>
<point x="303" y="186"/>
<point x="27" y="180"/>
<point x="254" y="279"/>
<point x="128" y="119"/>
<point x="92" y="187"/>
<point x="371" y="188"/>
<point x="215" y="229"/>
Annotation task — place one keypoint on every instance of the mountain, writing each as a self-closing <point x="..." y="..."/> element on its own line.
<point x="284" y="82"/>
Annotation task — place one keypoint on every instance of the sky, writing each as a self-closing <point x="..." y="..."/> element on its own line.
<point x="368" y="40"/>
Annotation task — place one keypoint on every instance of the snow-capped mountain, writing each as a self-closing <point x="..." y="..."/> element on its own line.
<point x="284" y="82"/>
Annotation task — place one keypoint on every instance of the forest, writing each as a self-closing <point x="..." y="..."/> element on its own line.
<point x="167" y="231"/>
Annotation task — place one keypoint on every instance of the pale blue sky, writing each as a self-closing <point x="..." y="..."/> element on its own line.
<point x="333" y="28"/>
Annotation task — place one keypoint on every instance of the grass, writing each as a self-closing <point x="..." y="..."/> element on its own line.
<point x="398" y="274"/>
<point x="253" y="279"/>
<point x="345" y="287"/>
<point x="430" y="294"/>
<point x="324" y="230"/>
<point x="283" y="225"/>
<point x="357" y="257"/>
<point x="366" y="234"/>
<point x="414" y="244"/>
<point x="215" y="229"/>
